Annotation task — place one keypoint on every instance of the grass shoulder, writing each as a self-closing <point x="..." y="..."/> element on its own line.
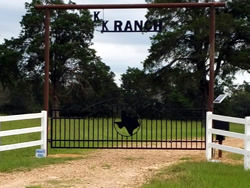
<point x="24" y="159"/>
<point x="200" y="174"/>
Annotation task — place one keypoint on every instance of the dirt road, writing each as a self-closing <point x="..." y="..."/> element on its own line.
<point x="100" y="169"/>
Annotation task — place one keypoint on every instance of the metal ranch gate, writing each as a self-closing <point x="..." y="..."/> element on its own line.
<point x="120" y="126"/>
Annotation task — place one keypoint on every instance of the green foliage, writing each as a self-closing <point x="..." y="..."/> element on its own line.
<point x="9" y="71"/>
<point x="201" y="174"/>
<point x="240" y="100"/>
<point x="136" y="86"/>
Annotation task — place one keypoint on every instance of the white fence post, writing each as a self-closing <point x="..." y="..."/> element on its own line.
<point x="209" y="123"/>
<point x="44" y="131"/>
<point x="247" y="144"/>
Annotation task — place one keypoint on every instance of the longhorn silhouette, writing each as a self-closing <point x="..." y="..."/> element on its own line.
<point x="129" y="122"/>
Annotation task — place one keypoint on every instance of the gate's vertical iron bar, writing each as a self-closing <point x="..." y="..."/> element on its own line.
<point x="126" y="136"/>
<point x="166" y="123"/>
<point x="64" y="123"/>
<point x="176" y="133"/>
<point x="74" y="132"/>
<point x="98" y="130"/>
<point x="107" y="128"/>
<point x="141" y="132"/>
<point x="107" y="132"/>
<point x="187" y="132"/>
<point x="205" y="130"/>
<point x="55" y="130"/>
<point x="79" y="132"/>
<point x="156" y="130"/>
<point x="141" y="123"/>
<point x="211" y="58"/>
<point x="196" y="134"/>
<point x="115" y="125"/>
<point x="131" y="141"/>
<point x="126" y="142"/>
<point x="84" y="131"/>
<point x="146" y="133"/>
<point x="191" y="134"/>
<point x="93" y="127"/>
<point x="112" y="126"/>
<point x="51" y="133"/>
<point x="69" y="131"/>
<point x="102" y="131"/>
<point x="171" y="133"/>
<point x="88" y="131"/>
<point x="151" y="123"/>
<point x="201" y="136"/>
<point x="161" y="132"/>
<point x="60" y="124"/>
<point x="181" y="132"/>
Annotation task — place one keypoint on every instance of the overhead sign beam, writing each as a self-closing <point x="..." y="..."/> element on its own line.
<point x="131" y="6"/>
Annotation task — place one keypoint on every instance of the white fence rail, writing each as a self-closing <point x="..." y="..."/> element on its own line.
<point x="43" y="129"/>
<point x="246" y="137"/>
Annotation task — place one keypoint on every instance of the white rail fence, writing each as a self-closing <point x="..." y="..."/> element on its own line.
<point x="246" y="137"/>
<point x="43" y="129"/>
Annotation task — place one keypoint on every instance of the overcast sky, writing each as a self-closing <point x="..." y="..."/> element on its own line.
<point x="118" y="50"/>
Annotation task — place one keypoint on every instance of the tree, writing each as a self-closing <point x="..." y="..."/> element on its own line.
<point x="9" y="71"/>
<point x="240" y="100"/>
<point x="77" y="75"/>
<point x="184" y="43"/>
<point x="136" y="86"/>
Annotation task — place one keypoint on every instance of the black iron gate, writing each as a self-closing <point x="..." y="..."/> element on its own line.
<point x="120" y="126"/>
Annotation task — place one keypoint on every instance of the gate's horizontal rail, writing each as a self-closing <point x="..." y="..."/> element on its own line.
<point x="158" y="148"/>
<point x="125" y="140"/>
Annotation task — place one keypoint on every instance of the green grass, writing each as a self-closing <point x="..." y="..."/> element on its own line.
<point x="201" y="174"/>
<point x="238" y="128"/>
<point x="235" y="156"/>
<point x="106" y="166"/>
<point x="133" y="158"/>
<point x="34" y="186"/>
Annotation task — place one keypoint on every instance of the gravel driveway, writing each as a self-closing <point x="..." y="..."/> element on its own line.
<point x="100" y="169"/>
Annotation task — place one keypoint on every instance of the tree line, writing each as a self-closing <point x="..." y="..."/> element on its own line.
<point x="175" y="72"/>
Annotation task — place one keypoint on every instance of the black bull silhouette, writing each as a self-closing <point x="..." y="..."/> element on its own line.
<point x="130" y="122"/>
